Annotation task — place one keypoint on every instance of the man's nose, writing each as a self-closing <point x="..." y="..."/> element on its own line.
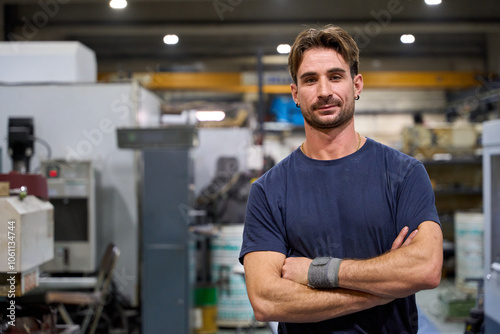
<point x="323" y="88"/>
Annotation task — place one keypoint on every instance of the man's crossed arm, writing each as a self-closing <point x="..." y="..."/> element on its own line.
<point x="278" y="291"/>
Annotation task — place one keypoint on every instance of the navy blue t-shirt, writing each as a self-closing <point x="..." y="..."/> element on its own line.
<point x="353" y="207"/>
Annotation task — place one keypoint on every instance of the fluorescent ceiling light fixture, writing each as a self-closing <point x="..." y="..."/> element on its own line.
<point x="214" y="116"/>
<point x="407" y="38"/>
<point x="118" y="4"/>
<point x="283" y="48"/>
<point x="171" y="39"/>
<point x="433" y="2"/>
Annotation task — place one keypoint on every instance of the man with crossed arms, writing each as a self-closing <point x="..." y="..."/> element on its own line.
<point x="324" y="247"/>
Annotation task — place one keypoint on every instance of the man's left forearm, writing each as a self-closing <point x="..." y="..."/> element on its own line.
<point x="410" y="266"/>
<point x="401" y="272"/>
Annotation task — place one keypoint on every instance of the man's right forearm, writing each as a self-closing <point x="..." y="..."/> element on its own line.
<point x="277" y="299"/>
<point x="303" y="304"/>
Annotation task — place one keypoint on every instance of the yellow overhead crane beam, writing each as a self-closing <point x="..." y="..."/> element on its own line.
<point x="436" y="79"/>
<point x="233" y="81"/>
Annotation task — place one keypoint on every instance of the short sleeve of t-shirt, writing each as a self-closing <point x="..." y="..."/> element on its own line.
<point x="264" y="229"/>
<point x="415" y="198"/>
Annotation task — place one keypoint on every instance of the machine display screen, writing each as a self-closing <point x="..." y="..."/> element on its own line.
<point x="70" y="219"/>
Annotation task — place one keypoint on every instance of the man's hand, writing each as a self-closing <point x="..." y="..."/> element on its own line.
<point x="296" y="268"/>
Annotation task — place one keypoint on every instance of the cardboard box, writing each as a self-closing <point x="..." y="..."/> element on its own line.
<point x="4" y="188"/>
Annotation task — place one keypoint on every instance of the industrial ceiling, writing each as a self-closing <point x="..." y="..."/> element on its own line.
<point x="230" y="31"/>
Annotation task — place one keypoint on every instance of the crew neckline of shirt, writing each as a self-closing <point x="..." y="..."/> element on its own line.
<point x="347" y="158"/>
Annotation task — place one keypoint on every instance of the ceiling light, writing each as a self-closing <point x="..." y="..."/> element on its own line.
<point x="171" y="39"/>
<point x="407" y="38"/>
<point x="214" y="116"/>
<point x="118" y="4"/>
<point x="433" y="2"/>
<point x="283" y="48"/>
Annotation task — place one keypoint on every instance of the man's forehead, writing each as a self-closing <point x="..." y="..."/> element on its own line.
<point x="321" y="58"/>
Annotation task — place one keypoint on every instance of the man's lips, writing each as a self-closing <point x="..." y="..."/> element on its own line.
<point x="327" y="107"/>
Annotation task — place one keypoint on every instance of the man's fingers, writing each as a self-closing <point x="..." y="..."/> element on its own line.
<point x="410" y="238"/>
<point x="400" y="238"/>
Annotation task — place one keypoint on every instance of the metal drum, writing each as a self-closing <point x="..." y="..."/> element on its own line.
<point x="234" y="309"/>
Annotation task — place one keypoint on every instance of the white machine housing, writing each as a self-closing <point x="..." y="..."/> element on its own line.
<point x="47" y="61"/>
<point x="30" y="222"/>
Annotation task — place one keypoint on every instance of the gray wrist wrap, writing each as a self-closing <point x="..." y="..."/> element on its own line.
<point x="324" y="273"/>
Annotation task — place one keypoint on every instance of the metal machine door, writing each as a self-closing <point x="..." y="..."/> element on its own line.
<point x="491" y="196"/>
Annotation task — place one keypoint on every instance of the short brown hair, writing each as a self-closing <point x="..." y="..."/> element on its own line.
<point x="330" y="37"/>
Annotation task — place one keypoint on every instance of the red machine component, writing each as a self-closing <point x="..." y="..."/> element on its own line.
<point x="36" y="184"/>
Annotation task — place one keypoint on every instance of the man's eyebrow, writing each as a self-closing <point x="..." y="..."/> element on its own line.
<point x="336" y="69"/>
<point x="306" y="74"/>
<point x="332" y="70"/>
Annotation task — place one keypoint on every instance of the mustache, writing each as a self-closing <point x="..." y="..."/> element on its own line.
<point x="330" y="101"/>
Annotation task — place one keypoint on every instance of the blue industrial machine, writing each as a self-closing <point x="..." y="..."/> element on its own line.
<point x="166" y="178"/>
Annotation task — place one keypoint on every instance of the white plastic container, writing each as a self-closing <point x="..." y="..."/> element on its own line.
<point x="469" y="249"/>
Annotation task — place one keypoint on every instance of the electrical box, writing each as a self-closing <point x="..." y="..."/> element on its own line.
<point x="72" y="193"/>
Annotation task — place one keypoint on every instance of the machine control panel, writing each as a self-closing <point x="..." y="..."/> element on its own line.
<point x="161" y="137"/>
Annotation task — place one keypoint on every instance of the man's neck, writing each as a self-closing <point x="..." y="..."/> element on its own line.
<point x="331" y="144"/>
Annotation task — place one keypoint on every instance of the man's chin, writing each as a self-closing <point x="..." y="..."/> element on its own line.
<point x="326" y="122"/>
<point x="324" y="125"/>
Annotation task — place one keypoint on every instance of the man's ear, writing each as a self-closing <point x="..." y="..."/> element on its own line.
<point x="358" y="84"/>
<point x="294" y="89"/>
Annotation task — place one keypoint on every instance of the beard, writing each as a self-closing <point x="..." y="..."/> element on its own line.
<point x="316" y="121"/>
